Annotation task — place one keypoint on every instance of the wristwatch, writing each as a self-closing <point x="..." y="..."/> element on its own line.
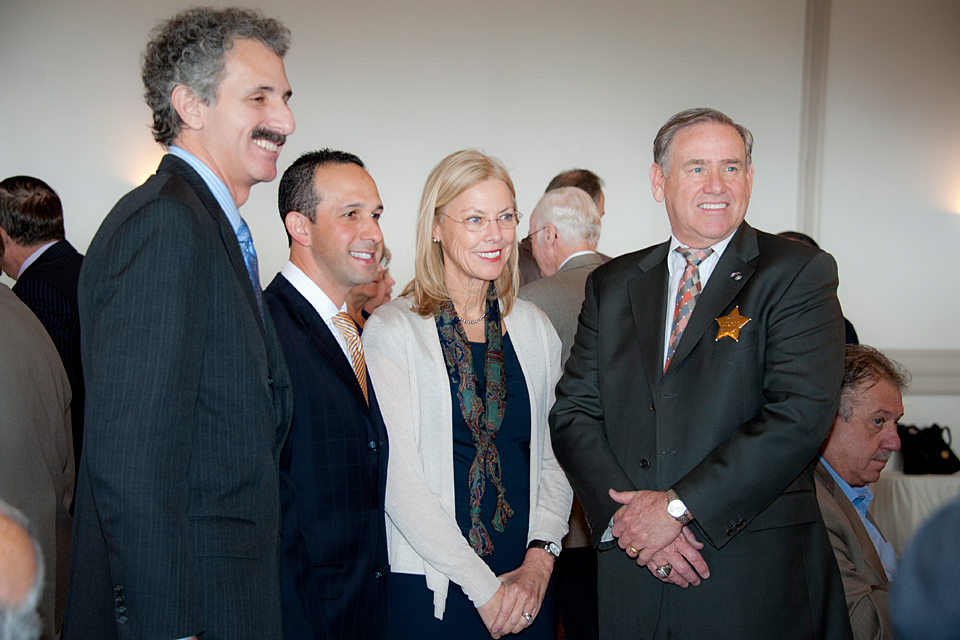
<point x="677" y="509"/>
<point x="550" y="547"/>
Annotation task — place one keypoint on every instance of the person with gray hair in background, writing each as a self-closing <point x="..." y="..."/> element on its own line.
<point x="580" y="178"/>
<point x="861" y="440"/>
<point x="21" y="578"/>
<point x="188" y="395"/>
<point x="565" y="228"/>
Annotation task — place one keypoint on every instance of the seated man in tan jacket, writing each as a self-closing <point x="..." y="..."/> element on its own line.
<point x="863" y="436"/>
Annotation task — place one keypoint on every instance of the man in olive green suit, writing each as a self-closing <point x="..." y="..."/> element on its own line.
<point x="688" y="430"/>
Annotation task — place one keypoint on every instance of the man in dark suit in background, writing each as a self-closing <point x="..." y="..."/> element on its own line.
<point x="177" y="521"/>
<point x="333" y="470"/>
<point x="579" y="178"/>
<point x="685" y="415"/>
<point x="47" y="269"/>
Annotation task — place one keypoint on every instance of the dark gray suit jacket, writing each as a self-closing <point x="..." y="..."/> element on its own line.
<point x="177" y="521"/>
<point x="732" y="426"/>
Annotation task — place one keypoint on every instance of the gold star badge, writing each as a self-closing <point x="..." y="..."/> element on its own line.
<point x="730" y="325"/>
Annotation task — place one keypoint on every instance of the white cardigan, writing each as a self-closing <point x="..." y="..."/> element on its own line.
<point x="405" y="362"/>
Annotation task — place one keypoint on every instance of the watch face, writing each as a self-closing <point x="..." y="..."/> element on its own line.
<point x="554" y="548"/>
<point x="676" y="508"/>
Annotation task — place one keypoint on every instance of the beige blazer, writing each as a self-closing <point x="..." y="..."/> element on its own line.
<point x="36" y="444"/>
<point x="864" y="580"/>
<point x="407" y="368"/>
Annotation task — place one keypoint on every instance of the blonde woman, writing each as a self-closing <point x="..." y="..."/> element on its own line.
<point x="476" y="502"/>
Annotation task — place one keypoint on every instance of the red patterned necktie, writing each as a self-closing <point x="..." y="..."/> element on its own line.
<point x="687" y="296"/>
<point x="348" y="330"/>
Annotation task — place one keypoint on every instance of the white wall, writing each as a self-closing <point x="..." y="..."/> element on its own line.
<point x="548" y="85"/>
<point x="543" y="85"/>
<point x="891" y="172"/>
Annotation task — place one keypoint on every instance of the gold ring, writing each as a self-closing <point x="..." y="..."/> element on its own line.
<point x="630" y="549"/>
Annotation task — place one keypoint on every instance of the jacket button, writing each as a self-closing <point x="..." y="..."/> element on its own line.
<point x="644" y="464"/>
<point x="652" y="408"/>
<point x="742" y="522"/>
<point x="270" y="382"/>
<point x="730" y="532"/>
<point x="372" y="445"/>
<point x="121" y="610"/>
<point x="379" y="574"/>
<point x="122" y="619"/>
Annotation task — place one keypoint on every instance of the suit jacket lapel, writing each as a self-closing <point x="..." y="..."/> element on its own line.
<point x="227" y="235"/>
<point x="647" y="294"/>
<point x="720" y="290"/>
<point x="870" y="554"/>
<point x="322" y="340"/>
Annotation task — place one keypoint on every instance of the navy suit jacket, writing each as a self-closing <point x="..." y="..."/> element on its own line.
<point x="49" y="288"/>
<point x="177" y="518"/>
<point x="333" y="473"/>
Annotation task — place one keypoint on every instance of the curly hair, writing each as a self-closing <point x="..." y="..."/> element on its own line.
<point x="863" y="368"/>
<point x="189" y="48"/>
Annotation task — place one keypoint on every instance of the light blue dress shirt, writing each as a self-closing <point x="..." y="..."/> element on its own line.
<point x="860" y="497"/>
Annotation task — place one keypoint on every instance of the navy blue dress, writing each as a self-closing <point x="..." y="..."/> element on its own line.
<point x="411" y="600"/>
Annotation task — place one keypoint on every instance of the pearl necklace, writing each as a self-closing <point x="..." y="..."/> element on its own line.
<point x="472" y="321"/>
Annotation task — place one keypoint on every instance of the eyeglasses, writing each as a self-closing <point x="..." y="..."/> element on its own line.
<point x="480" y="223"/>
<point x="533" y="233"/>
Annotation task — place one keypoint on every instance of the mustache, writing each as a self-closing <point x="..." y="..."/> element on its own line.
<point x="266" y="134"/>
<point x="883" y="456"/>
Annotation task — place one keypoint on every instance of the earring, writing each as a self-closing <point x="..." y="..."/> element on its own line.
<point x="436" y="241"/>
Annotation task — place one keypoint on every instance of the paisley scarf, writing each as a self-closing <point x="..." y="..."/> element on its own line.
<point x="482" y="415"/>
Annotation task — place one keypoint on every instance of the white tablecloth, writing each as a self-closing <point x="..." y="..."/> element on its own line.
<point x="902" y="503"/>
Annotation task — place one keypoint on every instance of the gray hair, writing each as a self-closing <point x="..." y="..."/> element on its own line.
<point x="864" y="367"/>
<point x="573" y="213"/>
<point x="23" y="621"/>
<point x="189" y="48"/>
<point x="690" y="117"/>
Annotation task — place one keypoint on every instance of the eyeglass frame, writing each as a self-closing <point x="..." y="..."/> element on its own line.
<point x="514" y="213"/>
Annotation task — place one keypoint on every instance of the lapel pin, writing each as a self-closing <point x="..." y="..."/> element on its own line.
<point x="736" y="275"/>
<point x="731" y="324"/>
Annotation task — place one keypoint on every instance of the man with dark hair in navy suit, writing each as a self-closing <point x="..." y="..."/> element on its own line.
<point x="333" y="469"/>
<point x="47" y="269"/>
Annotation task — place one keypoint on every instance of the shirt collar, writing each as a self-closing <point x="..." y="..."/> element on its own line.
<point x="215" y="184"/>
<point x="574" y="255"/>
<point x="309" y="290"/>
<point x="859" y="496"/>
<point x="718" y="248"/>
<point x="33" y="257"/>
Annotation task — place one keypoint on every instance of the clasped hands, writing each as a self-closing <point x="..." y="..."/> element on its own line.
<point x="645" y="530"/>
<point x="521" y="592"/>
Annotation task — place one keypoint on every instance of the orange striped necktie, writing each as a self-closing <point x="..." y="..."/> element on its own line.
<point x="348" y="329"/>
<point x="687" y="295"/>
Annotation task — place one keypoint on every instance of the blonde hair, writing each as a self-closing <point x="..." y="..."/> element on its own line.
<point x="453" y="175"/>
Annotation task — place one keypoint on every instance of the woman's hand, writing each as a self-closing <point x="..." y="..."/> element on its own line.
<point x="488" y="612"/>
<point x="525" y="588"/>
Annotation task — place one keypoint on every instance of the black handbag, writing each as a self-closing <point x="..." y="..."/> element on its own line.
<point x="927" y="450"/>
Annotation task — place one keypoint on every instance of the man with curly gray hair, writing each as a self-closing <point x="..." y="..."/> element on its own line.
<point x="188" y="394"/>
